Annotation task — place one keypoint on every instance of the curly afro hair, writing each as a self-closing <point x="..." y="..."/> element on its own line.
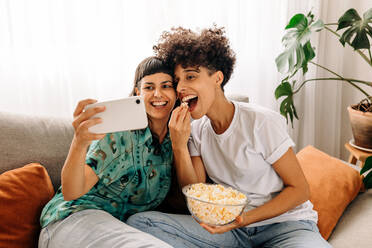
<point x="210" y="49"/>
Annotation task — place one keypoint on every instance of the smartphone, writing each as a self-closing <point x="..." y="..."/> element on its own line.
<point x="120" y="115"/>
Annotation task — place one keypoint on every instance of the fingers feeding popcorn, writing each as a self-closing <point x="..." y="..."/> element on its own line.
<point x="184" y="104"/>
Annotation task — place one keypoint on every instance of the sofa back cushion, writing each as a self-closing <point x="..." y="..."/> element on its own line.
<point x="30" y="139"/>
<point x="34" y="139"/>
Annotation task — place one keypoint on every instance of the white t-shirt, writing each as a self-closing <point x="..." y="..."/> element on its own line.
<point x="243" y="155"/>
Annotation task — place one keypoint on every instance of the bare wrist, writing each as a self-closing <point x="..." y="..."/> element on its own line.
<point x="247" y="219"/>
<point x="179" y="148"/>
<point x="78" y="143"/>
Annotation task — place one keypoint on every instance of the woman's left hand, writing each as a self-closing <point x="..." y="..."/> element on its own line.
<point x="239" y="222"/>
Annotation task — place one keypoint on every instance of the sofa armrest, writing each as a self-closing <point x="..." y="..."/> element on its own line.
<point x="353" y="228"/>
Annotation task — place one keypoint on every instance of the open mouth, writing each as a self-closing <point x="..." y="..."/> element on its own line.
<point x="159" y="104"/>
<point x="191" y="101"/>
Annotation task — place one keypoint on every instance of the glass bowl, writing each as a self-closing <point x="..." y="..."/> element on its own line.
<point x="214" y="204"/>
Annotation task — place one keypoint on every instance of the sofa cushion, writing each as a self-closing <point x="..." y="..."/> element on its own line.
<point x="23" y="194"/>
<point x="333" y="185"/>
<point x="34" y="139"/>
<point x="354" y="227"/>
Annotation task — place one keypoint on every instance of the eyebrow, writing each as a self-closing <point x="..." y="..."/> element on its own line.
<point x="191" y="70"/>
<point x="187" y="70"/>
<point x="164" y="82"/>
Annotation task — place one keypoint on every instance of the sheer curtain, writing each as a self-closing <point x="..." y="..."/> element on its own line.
<point x="324" y="121"/>
<point x="54" y="53"/>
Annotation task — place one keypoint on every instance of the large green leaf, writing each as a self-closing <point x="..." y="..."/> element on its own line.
<point x="367" y="165"/>
<point x="368" y="181"/>
<point x="298" y="50"/>
<point x="309" y="55"/>
<point x="283" y="89"/>
<point x="368" y="178"/>
<point x="287" y="108"/>
<point x="358" y="29"/>
<point x="298" y="20"/>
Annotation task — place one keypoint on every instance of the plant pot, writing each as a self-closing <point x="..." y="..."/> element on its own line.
<point x="361" y="125"/>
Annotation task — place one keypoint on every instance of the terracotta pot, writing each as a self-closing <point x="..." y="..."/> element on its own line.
<point x="361" y="125"/>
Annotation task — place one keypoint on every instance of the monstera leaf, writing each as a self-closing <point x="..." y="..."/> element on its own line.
<point x="298" y="50"/>
<point x="298" y="54"/>
<point x="287" y="107"/>
<point x="359" y="29"/>
<point x="367" y="180"/>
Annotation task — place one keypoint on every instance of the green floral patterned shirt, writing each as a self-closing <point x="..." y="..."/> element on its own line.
<point x="134" y="175"/>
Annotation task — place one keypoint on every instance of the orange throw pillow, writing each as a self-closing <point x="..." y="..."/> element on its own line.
<point x="333" y="185"/>
<point x="23" y="193"/>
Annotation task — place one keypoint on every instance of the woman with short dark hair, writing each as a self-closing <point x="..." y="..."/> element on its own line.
<point x="121" y="173"/>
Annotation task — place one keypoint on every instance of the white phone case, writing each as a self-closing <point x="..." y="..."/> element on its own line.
<point x="120" y="115"/>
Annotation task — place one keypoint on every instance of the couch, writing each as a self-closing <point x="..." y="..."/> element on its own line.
<point x="27" y="139"/>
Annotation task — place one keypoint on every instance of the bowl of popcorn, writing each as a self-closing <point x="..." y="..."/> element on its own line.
<point x="214" y="204"/>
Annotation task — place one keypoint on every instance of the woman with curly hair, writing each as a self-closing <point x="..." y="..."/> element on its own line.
<point x="236" y="144"/>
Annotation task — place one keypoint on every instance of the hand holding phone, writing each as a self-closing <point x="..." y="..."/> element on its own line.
<point x="120" y="115"/>
<point x="83" y="120"/>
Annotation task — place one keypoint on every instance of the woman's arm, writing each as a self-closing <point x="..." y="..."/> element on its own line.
<point x="296" y="191"/>
<point x="189" y="169"/>
<point x="77" y="177"/>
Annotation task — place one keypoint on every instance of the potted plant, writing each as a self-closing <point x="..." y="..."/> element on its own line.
<point x="299" y="53"/>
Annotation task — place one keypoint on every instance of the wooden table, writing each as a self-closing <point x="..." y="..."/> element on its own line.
<point x="357" y="155"/>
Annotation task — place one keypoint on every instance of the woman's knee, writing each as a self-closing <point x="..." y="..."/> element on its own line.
<point x="141" y="220"/>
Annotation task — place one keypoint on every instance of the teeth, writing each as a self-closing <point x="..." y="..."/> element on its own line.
<point x="186" y="98"/>
<point x="159" y="103"/>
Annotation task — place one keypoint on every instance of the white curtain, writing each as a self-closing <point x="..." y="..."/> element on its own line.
<point x="54" y="53"/>
<point x="324" y="121"/>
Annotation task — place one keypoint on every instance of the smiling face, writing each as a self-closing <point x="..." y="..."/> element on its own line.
<point x="197" y="87"/>
<point x="158" y="94"/>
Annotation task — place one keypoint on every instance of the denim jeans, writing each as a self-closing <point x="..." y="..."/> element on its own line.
<point x="184" y="231"/>
<point x="94" y="228"/>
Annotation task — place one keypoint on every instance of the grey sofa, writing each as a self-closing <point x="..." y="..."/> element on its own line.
<point x="25" y="139"/>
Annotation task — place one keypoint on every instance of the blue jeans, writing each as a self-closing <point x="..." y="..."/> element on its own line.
<point x="95" y="228"/>
<point x="184" y="231"/>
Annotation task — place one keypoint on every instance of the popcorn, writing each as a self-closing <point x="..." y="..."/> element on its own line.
<point x="184" y="104"/>
<point x="214" y="204"/>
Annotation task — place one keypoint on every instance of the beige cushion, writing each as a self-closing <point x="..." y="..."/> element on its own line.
<point x="238" y="97"/>
<point x="354" y="227"/>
